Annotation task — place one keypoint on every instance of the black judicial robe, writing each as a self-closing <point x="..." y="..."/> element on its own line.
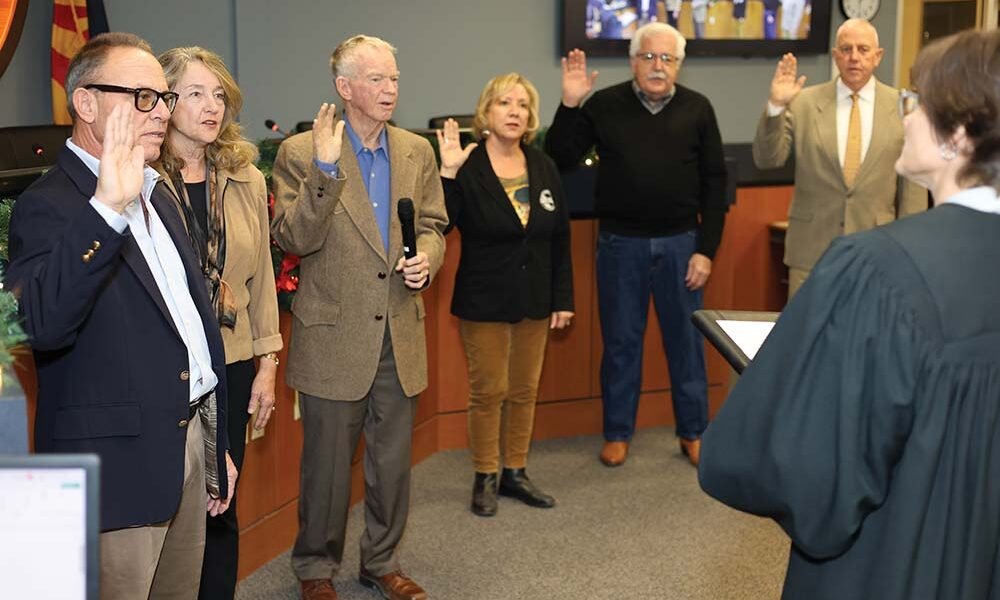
<point x="868" y="425"/>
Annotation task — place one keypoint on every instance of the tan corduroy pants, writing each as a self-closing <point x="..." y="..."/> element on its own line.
<point x="505" y="364"/>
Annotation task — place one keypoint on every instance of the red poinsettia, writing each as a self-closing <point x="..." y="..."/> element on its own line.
<point x="287" y="281"/>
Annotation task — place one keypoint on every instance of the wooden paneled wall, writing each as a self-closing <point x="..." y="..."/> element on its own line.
<point x="746" y="274"/>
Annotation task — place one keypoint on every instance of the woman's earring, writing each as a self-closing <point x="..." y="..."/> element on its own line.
<point x="947" y="151"/>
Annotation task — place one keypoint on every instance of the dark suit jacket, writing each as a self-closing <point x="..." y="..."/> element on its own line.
<point x="508" y="272"/>
<point x="112" y="370"/>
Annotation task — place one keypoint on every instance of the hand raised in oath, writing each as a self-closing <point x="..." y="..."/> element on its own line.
<point x="453" y="156"/>
<point x="120" y="176"/>
<point x="576" y="82"/>
<point x="786" y="83"/>
<point x="327" y="136"/>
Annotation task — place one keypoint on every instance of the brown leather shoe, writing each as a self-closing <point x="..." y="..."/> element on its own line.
<point x="318" y="589"/>
<point x="691" y="449"/>
<point x="614" y="454"/>
<point x="393" y="586"/>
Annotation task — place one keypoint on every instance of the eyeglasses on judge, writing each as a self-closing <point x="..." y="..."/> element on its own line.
<point x="909" y="101"/>
<point x="145" y="98"/>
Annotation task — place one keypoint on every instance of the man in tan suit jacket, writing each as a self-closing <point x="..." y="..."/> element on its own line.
<point x="845" y="149"/>
<point x="357" y="353"/>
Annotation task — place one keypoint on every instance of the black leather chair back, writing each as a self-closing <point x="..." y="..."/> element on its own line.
<point x="32" y="146"/>
<point x="438" y="122"/>
<point x="26" y="152"/>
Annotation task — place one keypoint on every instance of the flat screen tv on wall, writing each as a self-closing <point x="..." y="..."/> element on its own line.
<point x="712" y="27"/>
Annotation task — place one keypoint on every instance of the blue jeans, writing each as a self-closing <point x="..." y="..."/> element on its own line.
<point x="628" y="270"/>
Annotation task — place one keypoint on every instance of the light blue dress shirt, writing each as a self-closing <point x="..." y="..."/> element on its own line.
<point x="376" y="173"/>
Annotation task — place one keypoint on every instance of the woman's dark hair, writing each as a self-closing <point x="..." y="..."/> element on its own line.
<point x="958" y="79"/>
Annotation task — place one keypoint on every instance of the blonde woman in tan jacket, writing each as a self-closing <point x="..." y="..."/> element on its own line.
<point x="208" y="166"/>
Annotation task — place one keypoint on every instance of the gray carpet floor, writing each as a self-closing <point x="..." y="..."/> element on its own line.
<point x="643" y="530"/>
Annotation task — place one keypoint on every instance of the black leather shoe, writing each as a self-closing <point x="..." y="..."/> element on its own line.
<point x="484" y="494"/>
<point x="514" y="483"/>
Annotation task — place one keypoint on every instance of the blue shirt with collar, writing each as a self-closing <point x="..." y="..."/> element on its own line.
<point x="375" y="171"/>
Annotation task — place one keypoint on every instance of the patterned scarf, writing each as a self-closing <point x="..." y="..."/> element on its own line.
<point x="210" y="246"/>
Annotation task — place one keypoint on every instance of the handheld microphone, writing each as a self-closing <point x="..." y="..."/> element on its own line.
<point x="270" y="124"/>
<point x="405" y="211"/>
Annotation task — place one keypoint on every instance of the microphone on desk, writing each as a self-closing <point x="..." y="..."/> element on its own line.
<point x="270" y="124"/>
<point x="405" y="211"/>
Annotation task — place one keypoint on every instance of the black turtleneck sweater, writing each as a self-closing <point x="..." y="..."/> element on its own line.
<point x="658" y="174"/>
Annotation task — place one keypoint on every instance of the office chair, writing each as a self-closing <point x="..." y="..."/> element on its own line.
<point x="26" y="152"/>
<point x="464" y="121"/>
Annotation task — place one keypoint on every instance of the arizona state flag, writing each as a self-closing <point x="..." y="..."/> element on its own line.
<point x="73" y="23"/>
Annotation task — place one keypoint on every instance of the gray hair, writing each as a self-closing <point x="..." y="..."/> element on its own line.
<point x="343" y="61"/>
<point x="654" y="29"/>
<point x="859" y="23"/>
<point x="88" y="61"/>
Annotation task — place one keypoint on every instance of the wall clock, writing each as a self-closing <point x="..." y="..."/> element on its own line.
<point x="860" y="9"/>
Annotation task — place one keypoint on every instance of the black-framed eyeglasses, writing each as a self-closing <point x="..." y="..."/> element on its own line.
<point x="667" y="59"/>
<point x="909" y="101"/>
<point x="145" y="98"/>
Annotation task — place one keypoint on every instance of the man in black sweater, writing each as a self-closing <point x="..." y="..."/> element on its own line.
<point x="660" y="198"/>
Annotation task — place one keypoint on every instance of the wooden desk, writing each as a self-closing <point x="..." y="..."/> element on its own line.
<point x="778" y="231"/>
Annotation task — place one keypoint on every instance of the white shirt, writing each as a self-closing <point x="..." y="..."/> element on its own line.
<point x="983" y="198"/>
<point x="168" y="271"/>
<point x="866" y="104"/>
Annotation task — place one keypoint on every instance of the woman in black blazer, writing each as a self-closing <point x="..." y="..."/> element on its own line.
<point x="514" y="281"/>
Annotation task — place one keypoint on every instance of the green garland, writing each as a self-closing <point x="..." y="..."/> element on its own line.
<point x="11" y="334"/>
<point x="6" y="205"/>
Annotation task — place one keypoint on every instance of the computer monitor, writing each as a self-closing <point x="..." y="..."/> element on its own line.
<point x="49" y="526"/>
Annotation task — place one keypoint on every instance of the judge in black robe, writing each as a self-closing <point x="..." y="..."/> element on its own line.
<point x="868" y="424"/>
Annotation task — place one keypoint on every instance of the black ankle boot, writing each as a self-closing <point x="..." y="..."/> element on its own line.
<point x="484" y="494"/>
<point x="514" y="483"/>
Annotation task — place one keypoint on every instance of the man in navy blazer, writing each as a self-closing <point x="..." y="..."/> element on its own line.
<point x="128" y="352"/>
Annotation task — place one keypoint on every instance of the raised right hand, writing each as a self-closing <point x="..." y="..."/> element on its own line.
<point x="576" y="82"/>
<point x="119" y="178"/>
<point x="786" y="84"/>
<point x="327" y="137"/>
<point x="450" y="147"/>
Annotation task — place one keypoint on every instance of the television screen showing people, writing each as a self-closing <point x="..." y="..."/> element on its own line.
<point x="701" y="19"/>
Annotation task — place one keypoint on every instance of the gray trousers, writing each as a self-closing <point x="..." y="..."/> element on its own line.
<point x="331" y="431"/>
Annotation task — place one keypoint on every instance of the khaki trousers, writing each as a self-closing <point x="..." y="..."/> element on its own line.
<point x="163" y="560"/>
<point x="505" y="364"/>
<point x="796" y="277"/>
